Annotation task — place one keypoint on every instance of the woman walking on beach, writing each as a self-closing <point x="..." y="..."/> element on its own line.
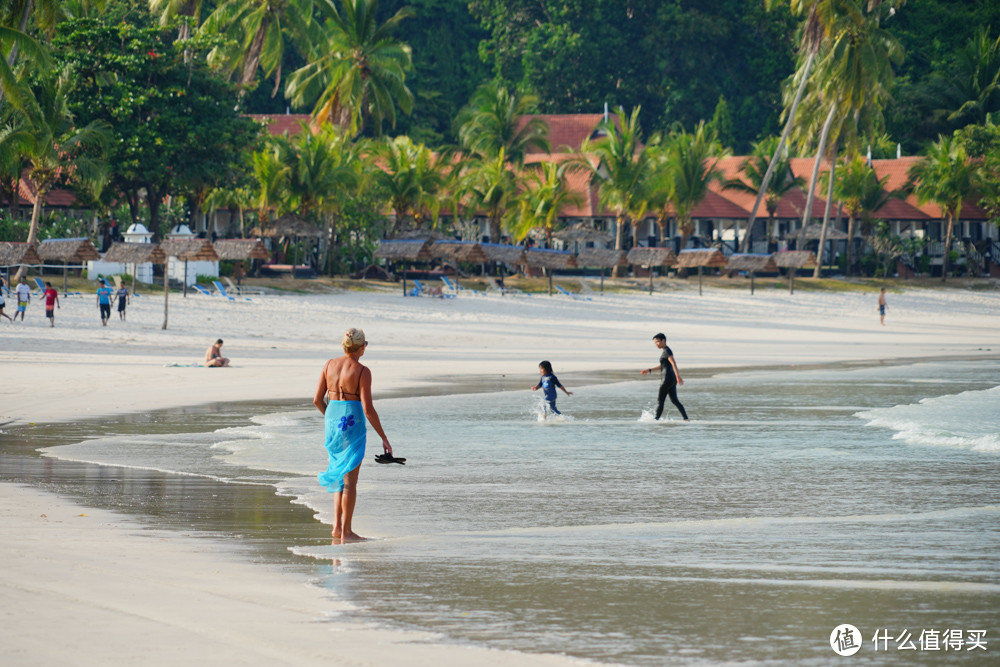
<point x="344" y="396"/>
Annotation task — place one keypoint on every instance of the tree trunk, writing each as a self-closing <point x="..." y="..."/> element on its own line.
<point x="817" y="272"/>
<point x="166" y="290"/>
<point x="823" y="136"/>
<point x="850" y="244"/>
<point x="945" y="265"/>
<point x="777" y="151"/>
<point x="36" y="214"/>
<point x="619" y="233"/>
<point x="253" y="55"/>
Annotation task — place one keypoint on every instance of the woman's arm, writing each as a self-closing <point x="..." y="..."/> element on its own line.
<point x="320" y="399"/>
<point x="369" y="408"/>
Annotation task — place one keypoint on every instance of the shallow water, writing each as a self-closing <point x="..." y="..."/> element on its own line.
<point x="793" y="502"/>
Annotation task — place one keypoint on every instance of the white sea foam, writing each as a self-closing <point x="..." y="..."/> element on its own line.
<point x="969" y="420"/>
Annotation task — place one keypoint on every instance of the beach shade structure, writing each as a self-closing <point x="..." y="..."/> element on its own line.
<point x="240" y="250"/>
<point x="423" y="234"/>
<point x="549" y="260"/>
<point x="289" y="225"/>
<point x="66" y="251"/>
<point x="814" y="231"/>
<point x="793" y="260"/>
<point x="17" y="254"/>
<point x="600" y="258"/>
<point x="582" y="232"/>
<point x="502" y="254"/>
<point x="700" y="258"/>
<point x="459" y="251"/>
<point x="751" y="264"/>
<point x="651" y="257"/>
<point x="142" y="253"/>
<point x="404" y="250"/>
<point x="187" y="250"/>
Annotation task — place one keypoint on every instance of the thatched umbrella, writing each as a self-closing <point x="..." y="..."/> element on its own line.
<point x="459" y="251"/>
<point x="814" y="232"/>
<point x="18" y="254"/>
<point x="501" y="254"/>
<point x="549" y="259"/>
<point x="66" y="251"/>
<point x="793" y="260"/>
<point x="404" y="250"/>
<point x="651" y="257"/>
<point x="240" y="250"/>
<point x="198" y="250"/>
<point x="289" y="225"/>
<point x="700" y="257"/>
<point x="583" y="232"/>
<point x="751" y="264"/>
<point x="141" y="253"/>
<point x="601" y="258"/>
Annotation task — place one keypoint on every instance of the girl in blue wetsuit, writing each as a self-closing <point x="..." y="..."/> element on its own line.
<point x="548" y="385"/>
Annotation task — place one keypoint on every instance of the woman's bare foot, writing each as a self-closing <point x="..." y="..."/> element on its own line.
<point x="351" y="536"/>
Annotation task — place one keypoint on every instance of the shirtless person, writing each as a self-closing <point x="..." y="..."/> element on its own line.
<point x="213" y="356"/>
<point x="881" y="307"/>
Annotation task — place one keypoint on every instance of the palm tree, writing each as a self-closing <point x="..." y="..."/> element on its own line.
<point x="623" y="164"/>
<point x="495" y="120"/>
<point x="490" y="185"/>
<point x="356" y="70"/>
<point x="969" y="93"/>
<point x="55" y="149"/>
<point x="271" y="174"/>
<point x="692" y="162"/>
<point x="860" y="191"/>
<point x="256" y="30"/>
<point x="168" y="10"/>
<point x="946" y="177"/>
<point x="781" y="183"/>
<point x="547" y="193"/>
<point x="411" y="177"/>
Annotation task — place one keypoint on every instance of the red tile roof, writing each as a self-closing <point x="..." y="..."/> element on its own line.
<point x="568" y="131"/>
<point x="280" y="124"/>
<point x="898" y="172"/>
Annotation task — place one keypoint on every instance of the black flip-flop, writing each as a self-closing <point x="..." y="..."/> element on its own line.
<point x="389" y="458"/>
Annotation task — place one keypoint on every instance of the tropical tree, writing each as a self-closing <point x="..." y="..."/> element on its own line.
<point x="256" y="32"/>
<point x="948" y="178"/>
<point x="623" y="165"/>
<point x="490" y="185"/>
<point x="411" y="178"/>
<point x="356" y="71"/>
<point x="271" y="175"/>
<point x="860" y="191"/>
<point x="497" y="120"/>
<point x="782" y="181"/>
<point x="55" y="148"/>
<point x="690" y="161"/>
<point x="547" y="193"/>
<point x="969" y="92"/>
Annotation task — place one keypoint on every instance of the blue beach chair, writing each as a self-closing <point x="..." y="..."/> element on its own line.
<point x="201" y="290"/>
<point x="576" y="297"/>
<point x="222" y="290"/>
<point x="454" y="288"/>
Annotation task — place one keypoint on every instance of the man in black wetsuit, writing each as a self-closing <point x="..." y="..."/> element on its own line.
<point x="670" y="377"/>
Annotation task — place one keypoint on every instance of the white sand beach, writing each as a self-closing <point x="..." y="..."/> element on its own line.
<point x="89" y="587"/>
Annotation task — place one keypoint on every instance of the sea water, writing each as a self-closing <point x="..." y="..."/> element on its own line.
<point x="792" y="502"/>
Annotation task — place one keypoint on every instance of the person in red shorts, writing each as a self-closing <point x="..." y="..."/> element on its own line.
<point x="51" y="302"/>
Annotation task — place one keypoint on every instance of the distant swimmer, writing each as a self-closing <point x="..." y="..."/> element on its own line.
<point x="882" y="307"/>
<point x="670" y="377"/>
<point x="548" y="385"/>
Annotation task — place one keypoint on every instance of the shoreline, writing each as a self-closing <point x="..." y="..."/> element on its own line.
<point x="84" y="376"/>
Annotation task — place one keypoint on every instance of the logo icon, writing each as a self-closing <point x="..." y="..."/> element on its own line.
<point x="845" y="639"/>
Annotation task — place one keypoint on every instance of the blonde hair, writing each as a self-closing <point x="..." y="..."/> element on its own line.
<point x="354" y="340"/>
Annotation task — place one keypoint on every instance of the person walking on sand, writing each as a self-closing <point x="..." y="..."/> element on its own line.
<point x="3" y="303"/>
<point x="104" y="303"/>
<point x="670" y="377"/>
<point x="213" y="356"/>
<point x="51" y="302"/>
<point x="548" y="385"/>
<point x="344" y="396"/>
<point x="882" y="307"/>
<point x="122" y="296"/>
<point x="23" y="299"/>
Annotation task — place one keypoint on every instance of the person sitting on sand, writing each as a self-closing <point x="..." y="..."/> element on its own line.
<point x="344" y="396"/>
<point x="213" y="356"/>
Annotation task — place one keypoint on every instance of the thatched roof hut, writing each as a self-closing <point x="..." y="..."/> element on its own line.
<point x="813" y="231"/>
<point x="190" y="250"/>
<point x="399" y="250"/>
<point x="651" y="256"/>
<point x="583" y="232"/>
<point x="15" y="254"/>
<point x="550" y="259"/>
<point x="499" y="252"/>
<point x="135" y="253"/>
<point x="240" y="249"/>
<point x="288" y="225"/>
<point x="459" y="251"/>
<point x="600" y="258"/>
<point x="425" y="234"/>
<point x="76" y="251"/>
<point x="699" y="257"/>
<point x="794" y="259"/>
<point x="752" y="263"/>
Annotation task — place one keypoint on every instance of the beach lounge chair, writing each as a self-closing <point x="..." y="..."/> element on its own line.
<point x="576" y="297"/>
<point x="41" y="285"/>
<point x="421" y="290"/>
<point x="454" y="288"/>
<point x="242" y="290"/>
<point x="222" y="290"/>
<point x="201" y="290"/>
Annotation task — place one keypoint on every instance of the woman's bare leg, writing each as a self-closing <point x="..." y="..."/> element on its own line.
<point x="338" y="514"/>
<point x="348" y="499"/>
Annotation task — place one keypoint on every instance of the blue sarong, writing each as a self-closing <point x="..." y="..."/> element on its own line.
<point x="345" y="442"/>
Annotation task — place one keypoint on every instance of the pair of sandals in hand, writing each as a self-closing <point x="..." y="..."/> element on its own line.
<point x="389" y="458"/>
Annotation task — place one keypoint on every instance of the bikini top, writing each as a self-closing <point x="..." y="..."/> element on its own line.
<point x="356" y="393"/>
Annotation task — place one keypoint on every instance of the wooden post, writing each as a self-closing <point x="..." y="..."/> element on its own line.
<point x="699" y="281"/>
